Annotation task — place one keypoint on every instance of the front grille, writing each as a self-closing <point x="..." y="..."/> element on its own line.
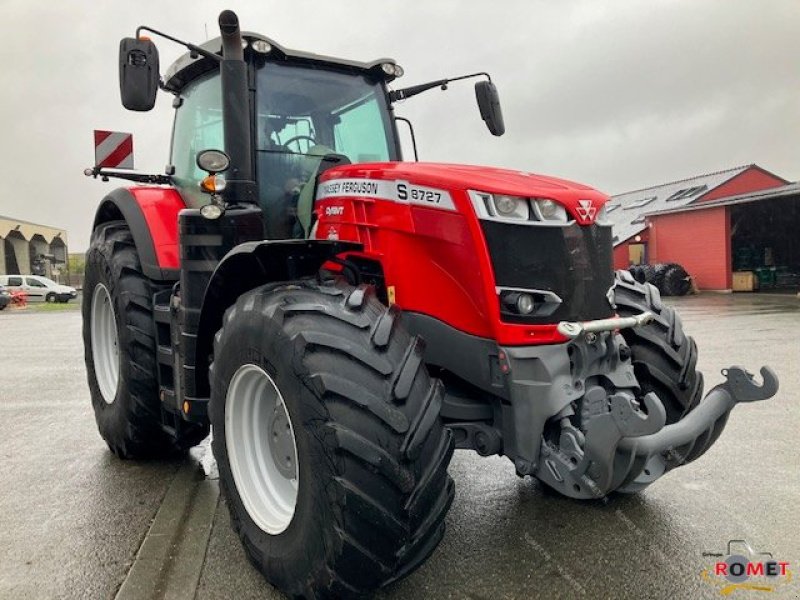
<point x="574" y="262"/>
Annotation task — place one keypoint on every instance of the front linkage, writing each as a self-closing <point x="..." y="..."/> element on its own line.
<point x="626" y="449"/>
<point x="586" y="402"/>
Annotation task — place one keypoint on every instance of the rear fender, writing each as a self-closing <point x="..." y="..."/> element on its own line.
<point x="152" y="216"/>
<point x="248" y="266"/>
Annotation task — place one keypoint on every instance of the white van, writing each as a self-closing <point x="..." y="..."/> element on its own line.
<point x="38" y="289"/>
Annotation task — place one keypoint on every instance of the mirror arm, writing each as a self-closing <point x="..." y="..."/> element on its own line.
<point x="104" y="174"/>
<point x="408" y="92"/>
<point x="471" y="75"/>
<point x="190" y="47"/>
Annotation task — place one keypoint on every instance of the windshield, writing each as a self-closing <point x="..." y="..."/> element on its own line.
<point x="198" y="126"/>
<point x="302" y="115"/>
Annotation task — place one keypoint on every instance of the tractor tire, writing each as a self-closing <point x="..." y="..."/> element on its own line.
<point x="119" y="339"/>
<point x="369" y="467"/>
<point x="676" y="281"/>
<point x="664" y="358"/>
<point x="657" y="279"/>
<point x="648" y="272"/>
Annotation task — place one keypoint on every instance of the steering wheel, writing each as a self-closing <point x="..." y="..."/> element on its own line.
<point x="296" y="140"/>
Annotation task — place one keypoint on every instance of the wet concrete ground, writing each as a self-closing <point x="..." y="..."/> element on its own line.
<point x="72" y="517"/>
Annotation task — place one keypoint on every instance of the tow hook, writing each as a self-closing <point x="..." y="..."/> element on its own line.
<point x="627" y="449"/>
<point x="572" y="329"/>
<point x="740" y="386"/>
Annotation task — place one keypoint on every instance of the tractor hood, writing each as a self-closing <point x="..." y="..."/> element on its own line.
<point x="485" y="179"/>
<point x="453" y="177"/>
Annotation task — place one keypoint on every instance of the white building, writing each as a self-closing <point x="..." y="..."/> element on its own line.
<point x="31" y="249"/>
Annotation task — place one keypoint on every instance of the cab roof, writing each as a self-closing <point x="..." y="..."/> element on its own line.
<point x="186" y="68"/>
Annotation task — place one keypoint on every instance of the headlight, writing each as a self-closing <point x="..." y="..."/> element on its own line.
<point x="392" y="70"/>
<point x="261" y="46"/>
<point x="500" y="207"/>
<point x="511" y="207"/>
<point x="533" y="211"/>
<point x="212" y="211"/>
<point x="525" y="304"/>
<point x="548" y="210"/>
<point x="522" y="302"/>
<point x="213" y="161"/>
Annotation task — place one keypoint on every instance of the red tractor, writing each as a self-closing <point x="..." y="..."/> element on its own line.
<point x="343" y="319"/>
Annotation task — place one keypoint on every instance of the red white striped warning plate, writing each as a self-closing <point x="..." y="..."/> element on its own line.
<point x="113" y="149"/>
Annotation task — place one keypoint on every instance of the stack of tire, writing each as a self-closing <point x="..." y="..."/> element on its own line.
<point x="671" y="279"/>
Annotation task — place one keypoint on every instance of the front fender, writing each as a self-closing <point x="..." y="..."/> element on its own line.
<point x="248" y="266"/>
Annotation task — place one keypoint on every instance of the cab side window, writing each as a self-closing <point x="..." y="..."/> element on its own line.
<point x="198" y="126"/>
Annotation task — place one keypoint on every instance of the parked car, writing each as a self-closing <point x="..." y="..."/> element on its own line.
<point x="5" y="297"/>
<point x="38" y="289"/>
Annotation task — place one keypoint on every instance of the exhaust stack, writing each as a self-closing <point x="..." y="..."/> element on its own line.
<point x="241" y="187"/>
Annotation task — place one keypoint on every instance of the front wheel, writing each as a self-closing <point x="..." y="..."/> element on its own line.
<point x="664" y="358"/>
<point x="332" y="454"/>
<point x="51" y="297"/>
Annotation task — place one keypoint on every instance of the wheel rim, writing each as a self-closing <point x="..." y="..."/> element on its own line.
<point x="262" y="450"/>
<point x="105" y="346"/>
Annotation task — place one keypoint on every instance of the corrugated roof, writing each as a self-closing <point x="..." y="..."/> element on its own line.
<point x="15" y="220"/>
<point x="790" y="189"/>
<point x="627" y="211"/>
<point x="28" y="229"/>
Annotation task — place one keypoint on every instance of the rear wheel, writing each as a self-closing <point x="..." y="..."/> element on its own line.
<point x="664" y="358"/>
<point x="331" y="451"/>
<point x="120" y="349"/>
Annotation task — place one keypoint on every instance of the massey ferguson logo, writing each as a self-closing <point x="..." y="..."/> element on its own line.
<point x="586" y="211"/>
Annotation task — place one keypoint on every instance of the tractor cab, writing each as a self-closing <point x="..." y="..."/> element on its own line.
<point x="309" y="113"/>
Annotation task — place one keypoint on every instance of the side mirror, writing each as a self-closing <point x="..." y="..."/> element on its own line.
<point x="489" y="105"/>
<point x="138" y="73"/>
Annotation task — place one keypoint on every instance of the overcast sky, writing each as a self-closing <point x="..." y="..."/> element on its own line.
<point x="618" y="95"/>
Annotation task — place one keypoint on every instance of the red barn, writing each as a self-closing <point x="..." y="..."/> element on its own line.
<point x="744" y="218"/>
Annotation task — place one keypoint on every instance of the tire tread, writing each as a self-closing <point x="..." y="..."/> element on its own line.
<point x="664" y="358"/>
<point x="384" y="440"/>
